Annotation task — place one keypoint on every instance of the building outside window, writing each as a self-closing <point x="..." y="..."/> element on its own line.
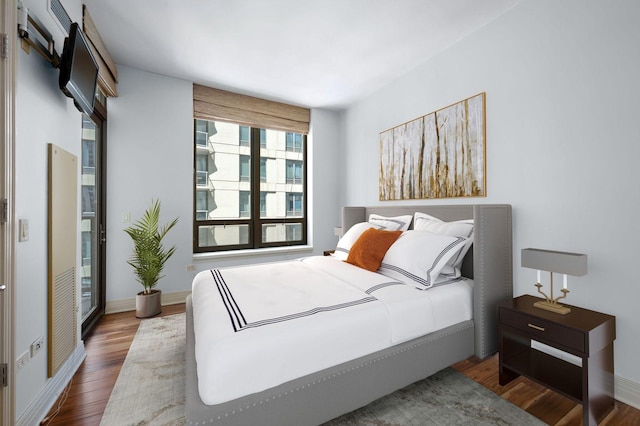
<point x="245" y="168"/>
<point x="263" y="204"/>
<point x="239" y="167"/>
<point x="294" y="142"/>
<point x="294" y="171"/>
<point x="202" y="211"/>
<point x="244" y="136"/>
<point x="263" y="169"/>
<point x="202" y="171"/>
<point x="245" y="204"/>
<point x="294" y="204"/>
<point x="263" y="138"/>
<point x="88" y="157"/>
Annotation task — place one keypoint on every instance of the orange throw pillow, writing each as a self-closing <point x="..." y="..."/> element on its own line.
<point x="369" y="250"/>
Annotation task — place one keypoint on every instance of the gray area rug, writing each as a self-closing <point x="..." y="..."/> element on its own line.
<point x="446" y="398"/>
<point x="150" y="391"/>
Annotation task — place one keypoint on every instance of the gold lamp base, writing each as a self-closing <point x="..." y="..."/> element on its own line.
<point x="552" y="306"/>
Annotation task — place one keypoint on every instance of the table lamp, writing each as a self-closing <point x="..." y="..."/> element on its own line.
<point x="554" y="261"/>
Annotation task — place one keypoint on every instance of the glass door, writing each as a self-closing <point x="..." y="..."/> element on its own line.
<point x="93" y="247"/>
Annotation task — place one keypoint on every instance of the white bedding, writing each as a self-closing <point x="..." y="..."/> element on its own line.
<point x="309" y="314"/>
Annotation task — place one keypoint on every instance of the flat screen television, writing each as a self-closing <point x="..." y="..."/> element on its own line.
<point x="78" y="70"/>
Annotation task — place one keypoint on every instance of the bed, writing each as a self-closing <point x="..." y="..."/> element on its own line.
<point x="316" y="397"/>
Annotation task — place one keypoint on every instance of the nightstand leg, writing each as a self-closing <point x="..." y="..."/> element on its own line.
<point x="597" y="386"/>
<point x="507" y="347"/>
<point x="505" y="376"/>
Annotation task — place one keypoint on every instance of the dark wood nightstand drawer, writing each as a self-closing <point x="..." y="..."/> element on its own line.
<point x="544" y="330"/>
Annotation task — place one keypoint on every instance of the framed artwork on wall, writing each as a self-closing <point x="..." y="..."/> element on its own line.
<point x="439" y="155"/>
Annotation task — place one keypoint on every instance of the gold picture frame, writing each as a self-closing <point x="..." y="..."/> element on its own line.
<point x="439" y="155"/>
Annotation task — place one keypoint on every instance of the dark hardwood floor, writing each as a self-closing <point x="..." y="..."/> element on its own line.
<point x="547" y="405"/>
<point x="85" y="399"/>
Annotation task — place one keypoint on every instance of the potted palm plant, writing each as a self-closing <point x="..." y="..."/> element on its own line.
<point x="148" y="258"/>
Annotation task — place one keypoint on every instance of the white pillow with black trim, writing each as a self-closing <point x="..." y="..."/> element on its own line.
<point x="391" y="223"/>
<point x="422" y="258"/>
<point x="458" y="228"/>
<point x="349" y="238"/>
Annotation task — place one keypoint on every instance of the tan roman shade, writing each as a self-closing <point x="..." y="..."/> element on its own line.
<point x="107" y="74"/>
<point x="219" y="105"/>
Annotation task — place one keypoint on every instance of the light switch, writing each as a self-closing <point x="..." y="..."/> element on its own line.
<point x="23" y="230"/>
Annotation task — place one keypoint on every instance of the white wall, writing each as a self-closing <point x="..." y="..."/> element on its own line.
<point x="43" y="115"/>
<point x="324" y="145"/>
<point x="562" y="90"/>
<point x="150" y="155"/>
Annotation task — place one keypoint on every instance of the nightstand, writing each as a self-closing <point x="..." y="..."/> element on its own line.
<point x="586" y="334"/>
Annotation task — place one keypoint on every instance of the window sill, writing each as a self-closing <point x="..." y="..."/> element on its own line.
<point x="253" y="252"/>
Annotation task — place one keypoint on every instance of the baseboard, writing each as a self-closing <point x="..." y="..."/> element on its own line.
<point x="628" y="392"/>
<point x="125" y="305"/>
<point x="54" y="387"/>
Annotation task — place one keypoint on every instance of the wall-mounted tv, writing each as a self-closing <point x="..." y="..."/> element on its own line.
<point x="78" y="70"/>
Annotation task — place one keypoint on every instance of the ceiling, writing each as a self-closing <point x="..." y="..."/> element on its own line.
<point x="314" y="53"/>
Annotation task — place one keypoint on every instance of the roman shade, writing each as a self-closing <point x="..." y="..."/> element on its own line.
<point x="107" y="74"/>
<point x="219" y="105"/>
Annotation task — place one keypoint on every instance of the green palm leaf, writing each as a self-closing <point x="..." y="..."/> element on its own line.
<point x="149" y="255"/>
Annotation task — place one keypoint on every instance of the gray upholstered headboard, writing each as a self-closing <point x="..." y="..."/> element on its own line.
<point x="489" y="262"/>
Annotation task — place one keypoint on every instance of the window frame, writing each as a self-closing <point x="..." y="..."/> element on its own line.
<point x="255" y="222"/>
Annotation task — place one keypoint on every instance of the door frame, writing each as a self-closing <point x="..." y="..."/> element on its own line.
<point x="8" y="26"/>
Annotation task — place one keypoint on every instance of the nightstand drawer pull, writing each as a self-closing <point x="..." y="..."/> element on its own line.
<point x="536" y="327"/>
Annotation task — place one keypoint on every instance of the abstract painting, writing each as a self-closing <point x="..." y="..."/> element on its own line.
<point x="439" y="155"/>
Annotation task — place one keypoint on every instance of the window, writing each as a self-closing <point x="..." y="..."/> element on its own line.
<point x="294" y="142"/>
<point x="251" y="197"/>
<point x="263" y="169"/>
<point x="88" y="157"/>
<point x="263" y="138"/>
<point x="245" y="168"/>
<point x="245" y="204"/>
<point x="88" y="200"/>
<point x="294" y="204"/>
<point x="294" y="171"/>
<point x="201" y="138"/>
<point x="203" y="130"/>
<point x="202" y="211"/>
<point x="87" y="250"/>
<point x="202" y="169"/>
<point x="263" y="204"/>
<point x="294" y="231"/>
<point x="244" y="135"/>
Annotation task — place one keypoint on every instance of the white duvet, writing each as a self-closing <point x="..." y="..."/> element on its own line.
<point x="260" y="326"/>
